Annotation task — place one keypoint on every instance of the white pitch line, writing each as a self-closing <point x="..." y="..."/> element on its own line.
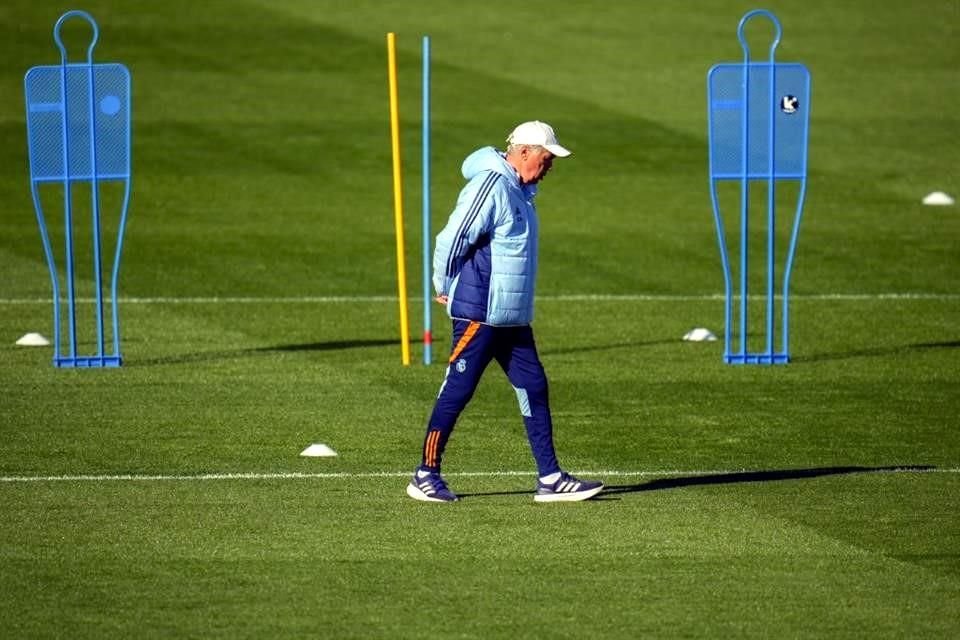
<point x="293" y="475"/>
<point x="216" y="300"/>
<point x="571" y="297"/>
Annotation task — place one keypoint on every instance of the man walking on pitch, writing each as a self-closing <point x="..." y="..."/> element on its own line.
<point x="484" y="271"/>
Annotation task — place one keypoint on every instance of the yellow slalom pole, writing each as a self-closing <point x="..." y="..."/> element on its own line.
<point x="398" y="197"/>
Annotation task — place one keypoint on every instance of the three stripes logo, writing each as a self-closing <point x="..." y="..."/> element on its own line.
<point x="431" y="450"/>
<point x="427" y="487"/>
<point x="567" y="486"/>
<point x="459" y="243"/>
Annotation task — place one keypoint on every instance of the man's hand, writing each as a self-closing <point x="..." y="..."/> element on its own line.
<point x="441" y="299"/>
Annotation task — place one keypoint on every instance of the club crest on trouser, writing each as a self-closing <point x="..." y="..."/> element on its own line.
<point x="461" y="365"/>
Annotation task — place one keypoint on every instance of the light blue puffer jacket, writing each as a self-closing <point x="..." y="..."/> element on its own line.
<point x="485" y="259"/>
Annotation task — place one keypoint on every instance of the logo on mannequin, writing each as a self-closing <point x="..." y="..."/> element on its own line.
<point x="789" y="104"/>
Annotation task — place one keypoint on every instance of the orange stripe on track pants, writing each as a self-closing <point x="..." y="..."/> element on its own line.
<point x="430" y="449"/>
<point x="464" y="340"/>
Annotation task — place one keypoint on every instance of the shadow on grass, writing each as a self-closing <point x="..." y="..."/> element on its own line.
<point x="337" y="345"/>
<point x="879" y="351"/>
<point x="752" y="476"/>
<point x="607" y="347"/>
<point x="234" y="354"/>
<point x="724" y="478"/>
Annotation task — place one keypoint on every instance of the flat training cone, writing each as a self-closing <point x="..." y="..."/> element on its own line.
<point x="938" y="198"/>
<point x="318" y="450"/>
<point x="699" y="335"/>
<point x="33" y="340"/>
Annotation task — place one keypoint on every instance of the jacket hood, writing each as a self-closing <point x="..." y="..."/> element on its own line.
<point x="490" y="159"/>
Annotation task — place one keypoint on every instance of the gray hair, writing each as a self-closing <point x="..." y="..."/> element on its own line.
<point x="517" y="148"/>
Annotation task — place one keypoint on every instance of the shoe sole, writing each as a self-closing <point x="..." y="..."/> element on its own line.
<point x="575" y="496"/>
<point x="414" y="492"/>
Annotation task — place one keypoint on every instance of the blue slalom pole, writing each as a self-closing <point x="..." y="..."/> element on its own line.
<point x="427" y="292"/>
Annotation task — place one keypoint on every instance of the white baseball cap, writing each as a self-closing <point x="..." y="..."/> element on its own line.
<point x="538" y="133"/>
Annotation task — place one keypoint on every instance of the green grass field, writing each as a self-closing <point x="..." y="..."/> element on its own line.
<point x="167" y="498"/>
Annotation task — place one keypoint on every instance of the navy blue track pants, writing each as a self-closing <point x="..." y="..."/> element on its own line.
<point x="474" y="345"/>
